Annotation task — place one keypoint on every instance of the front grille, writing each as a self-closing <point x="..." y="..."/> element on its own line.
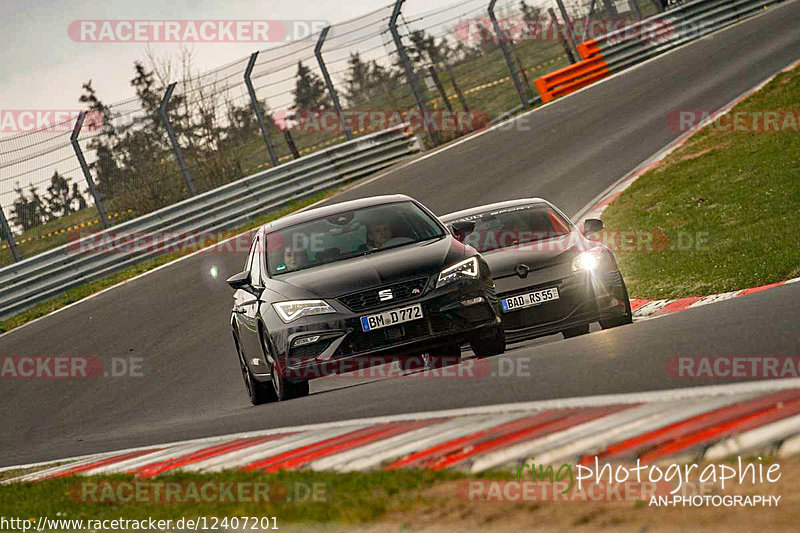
<point x="364" y="300"/>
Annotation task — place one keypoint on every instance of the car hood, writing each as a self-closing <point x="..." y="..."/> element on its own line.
<point x="374" y="270"/>
<point x="539" y="255"/>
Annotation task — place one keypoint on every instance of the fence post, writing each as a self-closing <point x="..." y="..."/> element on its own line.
<point x="507" y="55"/>
<point x="98" y="201"/>
<point x="329" y="82"/>
<point x="456" y="88"/>
<point x="635" y="8"/>
<point x="290" y="142"/>
<point x="568" y="23"/>
<point x="561" y="37"/>
<point x="588" y="20"/>
<point x="442" y="93"/>
<point x="162" y="110"/>
<point x="257" y="109"/>
<point x="611" y="8"/>
<point x="12" y="244"/>
<point x="525" y="80"/>
<point x="411" y="76"/>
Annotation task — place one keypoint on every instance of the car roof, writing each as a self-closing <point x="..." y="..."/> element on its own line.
<point x="491" y="207"/>
<point x="328" y="210"/>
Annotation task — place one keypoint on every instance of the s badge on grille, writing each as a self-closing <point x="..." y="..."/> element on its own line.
<point x="415" y="291"/>
<point x="385" y="295"/>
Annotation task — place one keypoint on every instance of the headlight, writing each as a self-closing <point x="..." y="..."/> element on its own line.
<point x="293" y="310"/>
<point x="586" y="261"/>
<point x="468" y="268"/>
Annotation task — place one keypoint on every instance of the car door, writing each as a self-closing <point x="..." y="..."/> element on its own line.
<point x="246" y="307"/>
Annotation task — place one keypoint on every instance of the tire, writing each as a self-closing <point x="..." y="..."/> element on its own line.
<point x="282" y="387"/>
<point x="576" y="331"/>
<point x="626" y="318"/>
<point x="259" y="393"/>
<point x="285" y="388"/>
<point x="489" y="346"/>
<point x="445" y="356"/>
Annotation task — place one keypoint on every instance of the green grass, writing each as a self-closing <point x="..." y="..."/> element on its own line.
<point x="78" y="293"/>
<point x="295" y="496"/>
<point x="740" y="190"/>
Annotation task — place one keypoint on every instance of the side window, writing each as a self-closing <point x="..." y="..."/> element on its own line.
<point x="255" y="263"/>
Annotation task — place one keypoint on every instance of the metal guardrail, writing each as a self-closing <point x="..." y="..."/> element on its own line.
<point x="643" y="40"/>
<point x="46" y="275"/>
<point x="688" y="22"/>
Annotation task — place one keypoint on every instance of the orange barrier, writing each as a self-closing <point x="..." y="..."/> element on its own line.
<point x="569" y="79"/>
<point x="589" y="49"/>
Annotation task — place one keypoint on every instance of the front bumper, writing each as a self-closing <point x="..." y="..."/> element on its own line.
<point x="583" y="298"/>
<point x="447" y="319"/>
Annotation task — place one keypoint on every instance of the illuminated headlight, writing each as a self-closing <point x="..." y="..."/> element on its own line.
<point x="293" y="310"/>
<point x="586" y="261"/>
<point x="468" y="268"/>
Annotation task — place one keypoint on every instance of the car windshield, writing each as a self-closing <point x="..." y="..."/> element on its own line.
<point x="511" y="226"/>
<point x="348" y="234"/>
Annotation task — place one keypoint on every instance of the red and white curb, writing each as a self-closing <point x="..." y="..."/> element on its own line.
<point x="644" y="309"/>
<point x="688" y="423"/>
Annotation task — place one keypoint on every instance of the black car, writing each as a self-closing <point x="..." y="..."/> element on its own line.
<point x="373" y="277"/>
<point x="549" y="276"/>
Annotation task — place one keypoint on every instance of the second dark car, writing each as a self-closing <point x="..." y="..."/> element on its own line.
<point x="359" y="279"/>
<point x="550" y="277"/>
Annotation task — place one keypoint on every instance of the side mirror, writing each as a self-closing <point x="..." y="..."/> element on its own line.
<point x="462" y="228"/>
<point x="239" y="281"/>
<point x="592" y="225"/>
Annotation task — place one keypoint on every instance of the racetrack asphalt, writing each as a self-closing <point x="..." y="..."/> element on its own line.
<point x="177" y="318"/>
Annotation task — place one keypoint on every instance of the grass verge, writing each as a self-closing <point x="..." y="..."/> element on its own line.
<point x="729" y="201"/>
<point x="78" y="293"/>
<point x="292" y="496"/>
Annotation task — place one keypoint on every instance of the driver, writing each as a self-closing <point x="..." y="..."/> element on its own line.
<point x="294" y="258"/>
<point x="378" y="233"/>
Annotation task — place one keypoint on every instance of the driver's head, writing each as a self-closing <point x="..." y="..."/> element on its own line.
<point x="294" y="257"/>
<point x="378" y="233"/>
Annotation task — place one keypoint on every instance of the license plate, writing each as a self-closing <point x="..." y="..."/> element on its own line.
<point x="390" y="318"/>
<point x="529" y="300"/>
